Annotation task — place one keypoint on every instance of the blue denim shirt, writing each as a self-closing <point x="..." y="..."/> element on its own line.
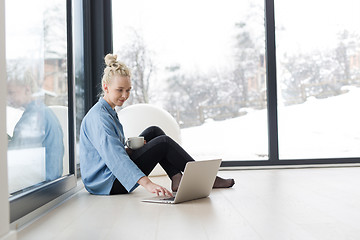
<point x="103" y="157"/>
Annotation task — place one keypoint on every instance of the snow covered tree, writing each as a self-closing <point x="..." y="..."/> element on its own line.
<point x="249" y="57"/>
<point x="347" y="50"/>
<point x="187" y="93"/>
<point x="137" y="57"/>
<point x="320" y="73"/>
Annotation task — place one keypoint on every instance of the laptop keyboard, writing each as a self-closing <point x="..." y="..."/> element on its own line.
<point x="168" y="199"/>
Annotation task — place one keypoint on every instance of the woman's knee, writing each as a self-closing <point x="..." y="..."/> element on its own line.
<point x="166" y="139"/>
<point x="156" y="130"/>
<point x="152" y="132"/>
<point x="163" y="138"/>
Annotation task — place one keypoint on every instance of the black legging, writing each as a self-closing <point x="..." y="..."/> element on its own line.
<point x="159" y="148"/>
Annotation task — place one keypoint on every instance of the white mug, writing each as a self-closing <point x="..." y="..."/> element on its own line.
<point x="135" y="142"/>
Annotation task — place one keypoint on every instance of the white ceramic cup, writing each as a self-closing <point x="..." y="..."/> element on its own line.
<point x="135" y="142"/>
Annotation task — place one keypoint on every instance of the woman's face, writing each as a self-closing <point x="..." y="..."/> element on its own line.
<point x="118" y="91"/>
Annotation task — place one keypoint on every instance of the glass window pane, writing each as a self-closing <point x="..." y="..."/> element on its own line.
<point x="37" y="123"/>
<point x="318" y="67"/>
<point x="202" y="61"/>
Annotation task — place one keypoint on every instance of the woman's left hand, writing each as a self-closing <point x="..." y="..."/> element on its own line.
<point x="128" y="150"/>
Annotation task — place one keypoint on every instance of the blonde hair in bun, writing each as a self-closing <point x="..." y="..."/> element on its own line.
<point x="113" y="67"/>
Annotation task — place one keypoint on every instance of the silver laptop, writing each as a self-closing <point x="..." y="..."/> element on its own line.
<point x="196" y="182"/>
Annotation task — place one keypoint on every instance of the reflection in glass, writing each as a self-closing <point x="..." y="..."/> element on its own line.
<point x="36" y="83"/>
<point x="208" y="71"/>
<point x="38" y="126"/>
<point x="318" y="68"/>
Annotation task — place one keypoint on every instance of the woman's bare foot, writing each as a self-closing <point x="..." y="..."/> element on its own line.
<point x="175" y="181"/>
<point x="223" y="183"/>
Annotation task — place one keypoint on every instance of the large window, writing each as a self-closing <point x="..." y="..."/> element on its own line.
<point x="38" y="102"/>
<point x="204" y="62"/>
<point x="207" y="64"/>
<point x="37" y="92"/>
<point x="318" y="69"/>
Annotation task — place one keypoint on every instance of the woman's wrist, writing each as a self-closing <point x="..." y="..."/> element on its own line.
<point x="144" y="181"/>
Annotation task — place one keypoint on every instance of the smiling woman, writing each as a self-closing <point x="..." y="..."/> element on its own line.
<point x="116" y="87"/>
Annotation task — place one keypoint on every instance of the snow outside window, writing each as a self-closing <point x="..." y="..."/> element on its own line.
<point x="318" y="72"/>
<point x="204" y="62"/>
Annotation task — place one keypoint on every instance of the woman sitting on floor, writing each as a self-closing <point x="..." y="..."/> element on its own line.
<point x="107" y="165"/>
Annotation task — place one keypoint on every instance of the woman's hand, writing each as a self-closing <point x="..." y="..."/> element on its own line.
<point x="153" y="187"/>
<point x="128" y="150"/>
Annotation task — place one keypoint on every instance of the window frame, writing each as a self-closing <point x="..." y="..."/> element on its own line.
<point x="96" y="20"/>
<point x="272" y="108"/>
<point x="273" y="138"/>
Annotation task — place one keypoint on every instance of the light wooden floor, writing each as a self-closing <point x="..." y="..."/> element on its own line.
<point x="305" y="204"/>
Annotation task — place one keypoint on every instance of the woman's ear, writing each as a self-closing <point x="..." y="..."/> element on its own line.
<point x="106" y="89"/>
